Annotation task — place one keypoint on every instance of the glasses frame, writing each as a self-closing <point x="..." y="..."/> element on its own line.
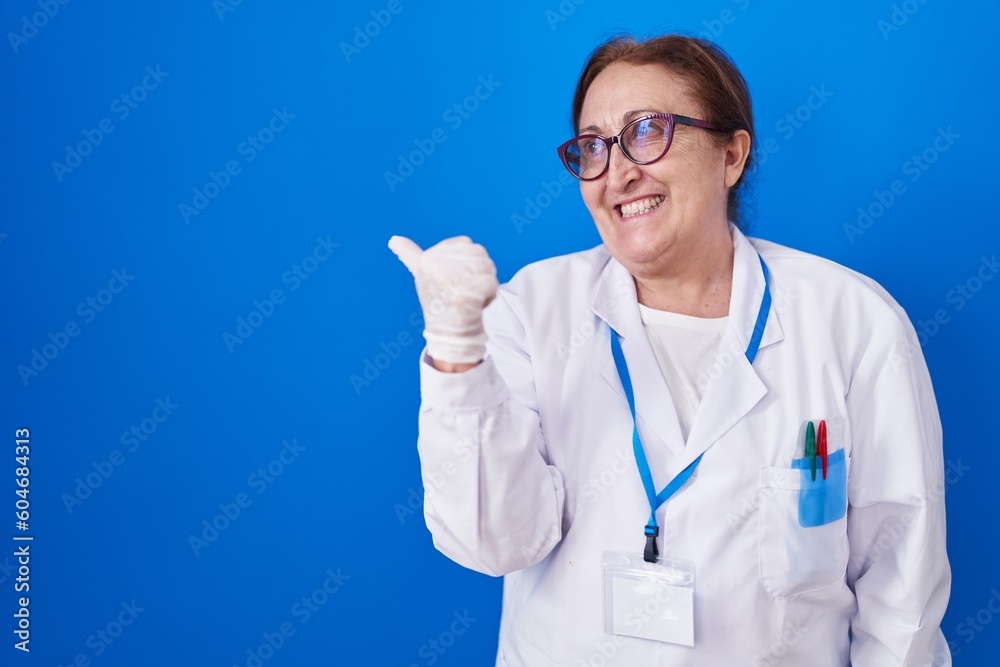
<point x="672" y="119"/>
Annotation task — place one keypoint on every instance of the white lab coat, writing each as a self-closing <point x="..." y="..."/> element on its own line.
<point x="528" y="470"/>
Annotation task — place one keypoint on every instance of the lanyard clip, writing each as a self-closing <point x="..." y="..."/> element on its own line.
<point x="651" y="553"/>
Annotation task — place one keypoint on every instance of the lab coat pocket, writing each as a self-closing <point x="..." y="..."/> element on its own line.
<point x="822" y="500"/>
<point x="802" y="538"/>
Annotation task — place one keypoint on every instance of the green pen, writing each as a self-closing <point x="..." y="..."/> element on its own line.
<point x="811" y="448"/>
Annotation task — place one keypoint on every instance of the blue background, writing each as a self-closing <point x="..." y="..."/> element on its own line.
<point x="348" y="115"/>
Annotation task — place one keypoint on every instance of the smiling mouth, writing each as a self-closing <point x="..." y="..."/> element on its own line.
<point x="641" y="206"/>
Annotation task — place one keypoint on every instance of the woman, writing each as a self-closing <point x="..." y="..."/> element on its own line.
<point x="781" y="399"/>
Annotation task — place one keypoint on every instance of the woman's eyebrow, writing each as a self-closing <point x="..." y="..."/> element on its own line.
<point x="632" y="115"/>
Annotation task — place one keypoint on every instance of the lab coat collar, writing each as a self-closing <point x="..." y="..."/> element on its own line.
<point x="734" y="388"/>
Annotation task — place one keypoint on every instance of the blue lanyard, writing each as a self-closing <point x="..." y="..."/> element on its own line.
<point x="656" y="499"/>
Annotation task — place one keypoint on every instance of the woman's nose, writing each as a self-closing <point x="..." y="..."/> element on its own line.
<point x="621" y="170"/>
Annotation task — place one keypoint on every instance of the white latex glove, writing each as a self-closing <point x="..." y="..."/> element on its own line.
<point x="455" y="280"/>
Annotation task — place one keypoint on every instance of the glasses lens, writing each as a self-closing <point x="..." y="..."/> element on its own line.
<point x="586" y="156"/>
<point x="646" y="140"/>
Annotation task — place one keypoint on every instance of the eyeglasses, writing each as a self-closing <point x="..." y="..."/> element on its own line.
<point x="643" y="141"/>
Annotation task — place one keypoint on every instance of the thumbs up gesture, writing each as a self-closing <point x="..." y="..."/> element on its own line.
<point x="455" y="280"/>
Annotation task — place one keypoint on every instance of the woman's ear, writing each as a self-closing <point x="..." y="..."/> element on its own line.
<point x="736" y="156"/>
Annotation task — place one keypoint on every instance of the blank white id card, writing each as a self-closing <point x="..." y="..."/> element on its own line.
<point x="649" y="600"/>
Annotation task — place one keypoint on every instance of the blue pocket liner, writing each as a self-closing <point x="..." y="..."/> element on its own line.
<point x="823" y="500"/>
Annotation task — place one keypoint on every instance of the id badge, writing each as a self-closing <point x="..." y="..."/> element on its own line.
<point x="649" y="600"/>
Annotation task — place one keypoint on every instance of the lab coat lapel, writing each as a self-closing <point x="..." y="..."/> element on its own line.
<point x="615" y="302"/>
<point x="735" y="387"/>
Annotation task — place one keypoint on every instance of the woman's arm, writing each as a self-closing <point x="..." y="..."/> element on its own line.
<point x="491" y="502"/>
<point x="899" y="567"/>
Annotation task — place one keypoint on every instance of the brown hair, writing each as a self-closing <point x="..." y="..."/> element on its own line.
<point x="712" y="77"/>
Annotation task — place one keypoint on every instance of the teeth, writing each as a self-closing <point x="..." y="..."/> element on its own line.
<point x="642" y="206"/>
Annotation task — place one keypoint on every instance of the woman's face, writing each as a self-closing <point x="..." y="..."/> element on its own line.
<point x="690" y="182"/>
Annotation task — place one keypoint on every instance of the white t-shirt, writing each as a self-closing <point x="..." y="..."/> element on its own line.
<point x="685" y="348"/>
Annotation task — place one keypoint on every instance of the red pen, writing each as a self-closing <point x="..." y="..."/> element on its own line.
<point x="821" y="445"/>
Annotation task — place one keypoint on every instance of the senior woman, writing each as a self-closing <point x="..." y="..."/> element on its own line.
<point x="683" y="446"/>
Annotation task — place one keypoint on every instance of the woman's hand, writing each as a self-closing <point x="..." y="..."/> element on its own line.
<point x="455" y="280"/>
